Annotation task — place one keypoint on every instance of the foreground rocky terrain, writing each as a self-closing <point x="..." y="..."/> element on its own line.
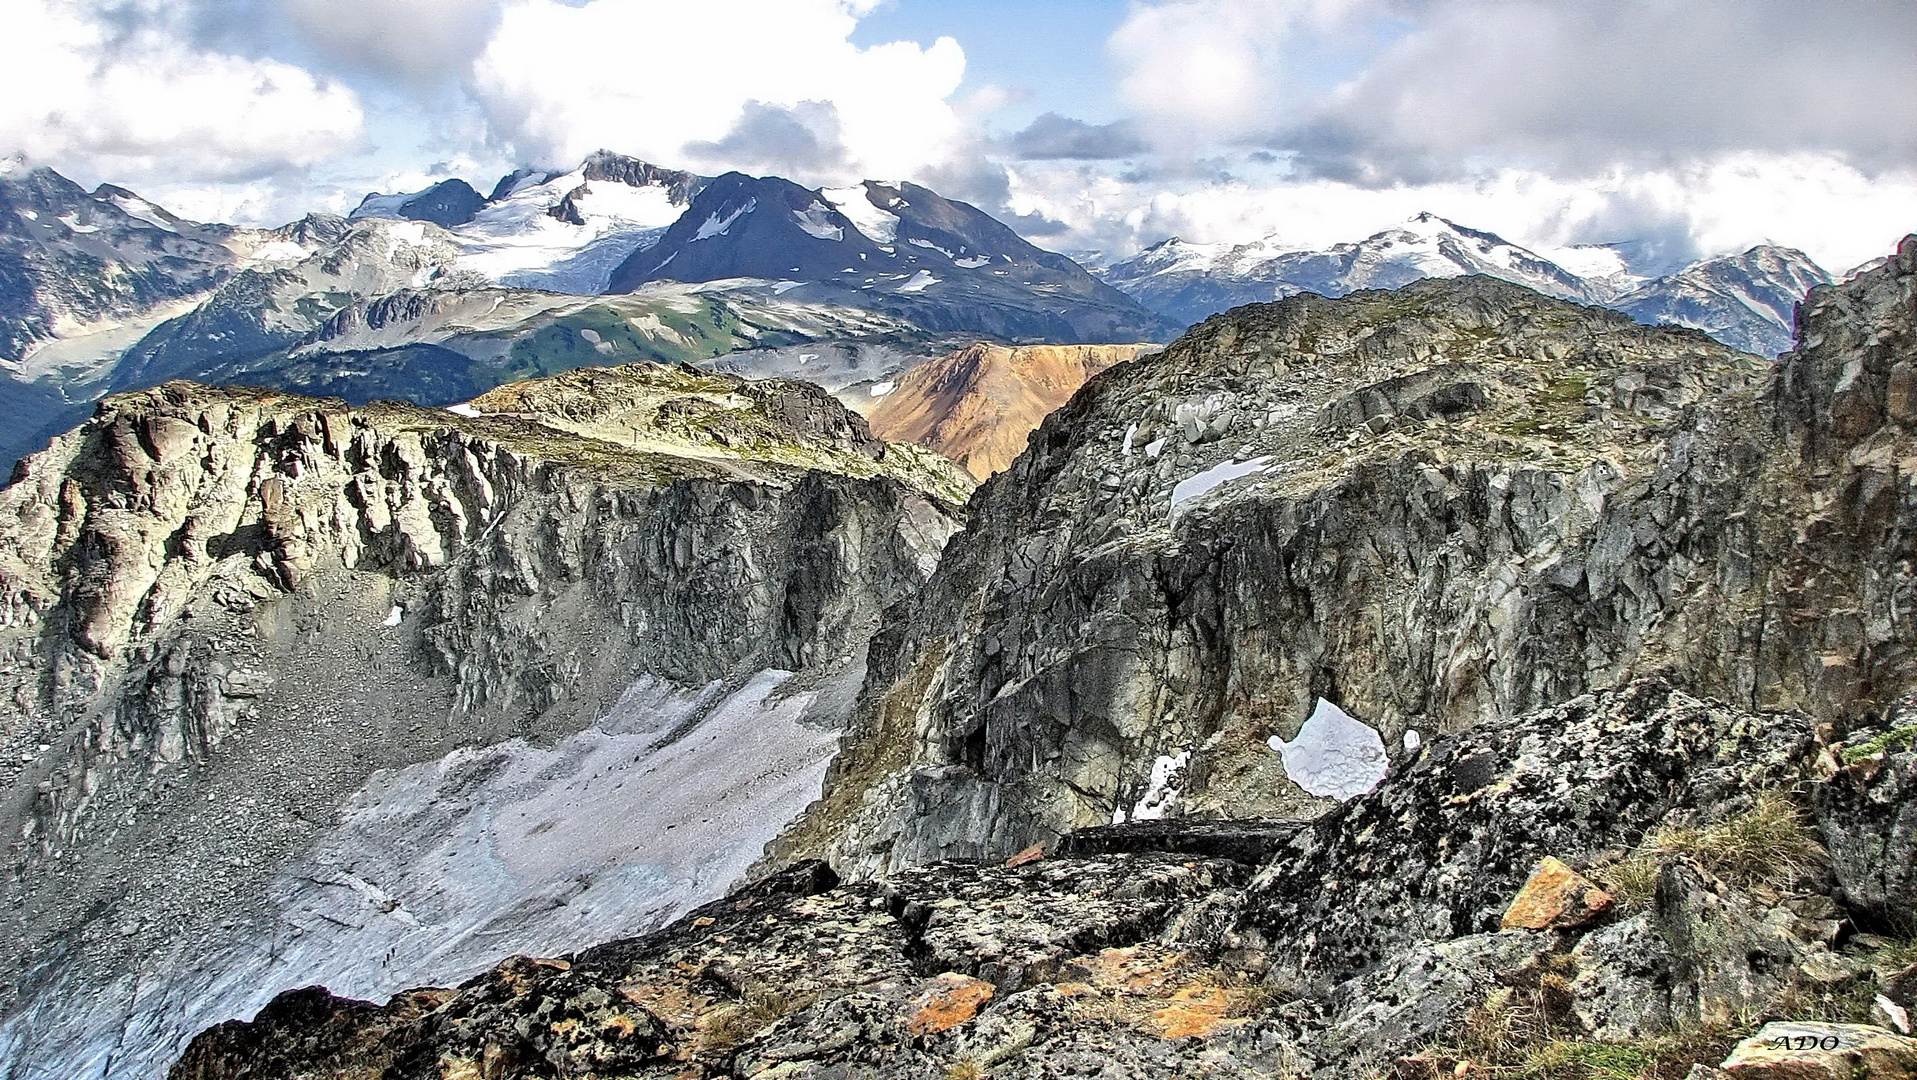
<point x="1372" y="941"/>
<point x="1446" y="680"/>
<point x="1602" y="635"/>
<point x="296" y="691"/>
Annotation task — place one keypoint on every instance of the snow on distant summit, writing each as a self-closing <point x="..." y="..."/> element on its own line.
<point x="1745" y="300"/>
<point x="1192" y="281"/>
<point x="552" y="231"/>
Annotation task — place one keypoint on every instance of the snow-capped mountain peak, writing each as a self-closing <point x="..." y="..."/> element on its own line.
<point x="1745" y="300"/>
<point x="555" y="231"/>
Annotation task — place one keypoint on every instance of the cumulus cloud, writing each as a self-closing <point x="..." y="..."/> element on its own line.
<point x="1387" y="91"/>
<point x="657" y="77"/>
<point x="803" y="140"/>
<point x="422" y="41"/>
<point x="1055" y="136"/>
<point x="118" y="90"/>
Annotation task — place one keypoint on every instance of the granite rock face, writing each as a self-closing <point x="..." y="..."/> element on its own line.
<point x="1434" y="508"/>
<point x="226" y="611"/>
<point x="1441" y="850"/>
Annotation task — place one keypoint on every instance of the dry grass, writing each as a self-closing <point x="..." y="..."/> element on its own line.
<point x="1768" y="846"/>
<point x="730" y="1025"/>
<point x="965" y="1068"/>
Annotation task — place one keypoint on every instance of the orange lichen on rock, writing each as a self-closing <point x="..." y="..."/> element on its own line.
<point x="1556" y="898"/>
<point x="952" y="1000"/>
<point x="1194" y="1011"/>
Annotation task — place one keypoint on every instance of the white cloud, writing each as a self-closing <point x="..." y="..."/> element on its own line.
<point x="418" y="40"/>
<point x="1836" y="213"/>
<point x="1694" y="128"/>
<point x="86" y="88"/>
<point x="662" y="79"/>
<point x="1199" y="71"/>
<point x="1395" y="90"/>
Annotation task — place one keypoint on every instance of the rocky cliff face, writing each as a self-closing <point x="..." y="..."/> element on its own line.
<point x="1475" y="518"/>
<point x="978" y="405"/>
<point x="255" y="641"/>
<point x="1433" y="508"/>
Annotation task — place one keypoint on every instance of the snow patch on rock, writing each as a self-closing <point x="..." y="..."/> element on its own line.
<point x="1193" y="487"/>
<point x="879" y="226"/>
<point x="1334" y="755"/>
<point x="716" y="226"/>
<point x="817" y="221"/>
<point x="1163" y="792"/>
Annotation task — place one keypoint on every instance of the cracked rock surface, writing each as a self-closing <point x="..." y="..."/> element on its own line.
<point x="1136" y="960"/>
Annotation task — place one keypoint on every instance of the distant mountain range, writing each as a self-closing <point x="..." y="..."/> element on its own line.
<point x="1745" y="301"/>
<point x="437" y="295"/>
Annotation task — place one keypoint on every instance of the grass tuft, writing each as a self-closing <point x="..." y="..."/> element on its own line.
<point x="730" y="1025"/>
<point x="1767" y="846"/>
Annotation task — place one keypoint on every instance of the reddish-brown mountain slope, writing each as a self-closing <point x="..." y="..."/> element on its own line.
<point x="976" y="406"/>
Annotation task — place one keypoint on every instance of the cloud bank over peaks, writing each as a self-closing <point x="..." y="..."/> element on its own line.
<point x="697" y="83"/>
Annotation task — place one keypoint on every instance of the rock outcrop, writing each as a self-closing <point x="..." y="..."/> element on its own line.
<point x="252" y="637"/>
<point x="978" y="405"/>
<point x="1432" y="508"/>
<point x="1136" y="961"/>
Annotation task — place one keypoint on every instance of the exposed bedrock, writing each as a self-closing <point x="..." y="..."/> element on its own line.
<point x="1358" y="948"/>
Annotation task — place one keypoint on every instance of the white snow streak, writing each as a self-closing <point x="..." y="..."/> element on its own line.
<point x="1194" y="486"/>
<point x="715" y="227"/>
<point x="1162" y="795"/>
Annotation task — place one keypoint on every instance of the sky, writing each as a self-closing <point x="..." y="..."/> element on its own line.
<point x="1679" y="129"/>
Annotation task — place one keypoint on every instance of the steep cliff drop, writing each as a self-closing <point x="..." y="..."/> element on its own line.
<point x="297" y="692"/>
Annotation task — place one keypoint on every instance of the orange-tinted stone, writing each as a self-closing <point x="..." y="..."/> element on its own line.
<point x="1556" y="898"/>
<point x="1029" y="855"/>
<point x="952" y="1000"/>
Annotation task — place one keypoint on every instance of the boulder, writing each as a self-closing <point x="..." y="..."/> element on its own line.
<point x="1808" y="1051"/>
<point x="1867" y="813"/>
